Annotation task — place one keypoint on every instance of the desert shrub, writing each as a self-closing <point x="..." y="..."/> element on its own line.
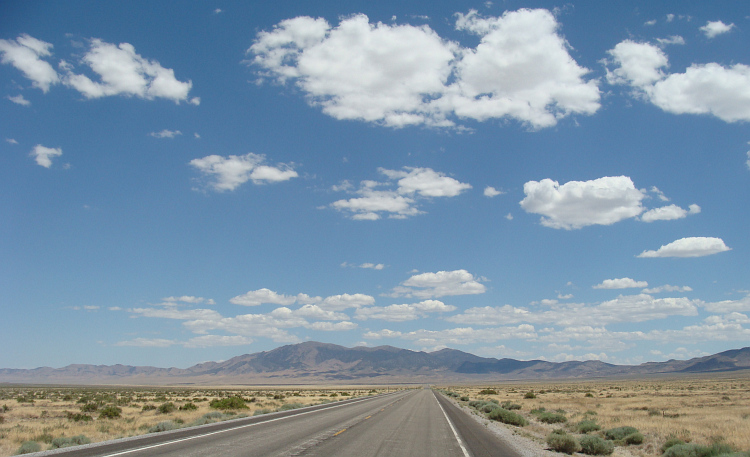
<point x="477" y="403"/>
<point x="281" y="397"/>
<point x="289" y="406"/>
<point x="510" y="406"/>
<point x="589" y="395"/>
<point x="530" y="395"/>
<point x="588" y="425"/>
<point x="2" y="419"/>
<point x="562" y="442"/>
<point x="464" y="398"/>
<point x="166" y="408"/>
<point x="189" y="406"/>
<point x="163" y="427"/>
<point x="669" y="443"/>
<point x="488" y="392"/>
<point x="696" y="450"/>
<point x="229" y="403"/>
<point x="634" y="438"/>
<point x="110" y="412"/>
<point x="552" y="418"/>
<point x="89" y="408"/>
<point x="538" y="410"/>
<point x="489" y="407"/>
<point x="595" y="445"/>
<point x="79" y="417"/>
<point x="259" y="412"/>
<point x="508" y="417"/>
<point x="70" y="441"/>
<point x="619" y="433"/>
<point x="148" y="407"/>
<point x="213" y="416"/>
<point x="27" y="447"/>
<point x="44" y="438"/>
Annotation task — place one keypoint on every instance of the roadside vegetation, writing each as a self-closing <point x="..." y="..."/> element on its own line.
<point x="35" y="419"/>
<point x="667" y="418"/>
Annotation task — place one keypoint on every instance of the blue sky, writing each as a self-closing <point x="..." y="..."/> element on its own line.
<point x="190" y="181"/>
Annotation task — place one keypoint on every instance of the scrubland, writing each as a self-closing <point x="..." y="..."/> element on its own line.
<point x="40" y="418"/>
<point x="702" y="412"/>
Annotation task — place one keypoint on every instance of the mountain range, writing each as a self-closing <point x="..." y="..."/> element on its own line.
<point x="316" y="363"/>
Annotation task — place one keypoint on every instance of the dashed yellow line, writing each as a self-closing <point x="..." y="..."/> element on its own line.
<point x="339" y="433"/>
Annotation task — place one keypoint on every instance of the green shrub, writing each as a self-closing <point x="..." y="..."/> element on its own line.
<point x="510" y="406"/>
<point x="163" y="427"/>
<point x="530" y="395"/>
<point x="44" y="438"/>
<point x="588" y="425"/>
<point x="289" y="406"/>
<point x="259" y="412"/>
<point x="464" y="398"/>
<point x="189" y="406"/>
<point x="229" y="403"/>
<point x="148" y="407"/>
<point x="79" y="417"/>
<point x="552" y="418"/>
<point x="589" y="395"/>
<point x="72" y="441"/>
<point x="27" y="447"/>
<point x="508" y="417"/>
<point x="489" y="407"/>
<point x="89" y="408"/>
<point x="562" y="442"/>
<point x="634" y="438"/>
<point x="595" y="445"/>
<point x="488" y="392"/>
<point x="696" y="450"/>
<point x="166" y="408"/>
<point x="669" y="443"/>
<point x="211" y="417"/>
<point x="2" y="419"/>
<point x="619" y="433"/>
<point x="110" y="412"/>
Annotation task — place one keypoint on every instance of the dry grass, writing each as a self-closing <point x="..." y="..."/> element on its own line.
<point x="42" y="413"/>
<point x="699" y="410"/>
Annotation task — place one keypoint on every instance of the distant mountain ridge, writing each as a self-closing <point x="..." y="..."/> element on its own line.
<point x="313" y="362"/>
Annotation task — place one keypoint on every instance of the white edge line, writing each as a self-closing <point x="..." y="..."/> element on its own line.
<point x="455" y="433"/>
<point x="233" y="428"/>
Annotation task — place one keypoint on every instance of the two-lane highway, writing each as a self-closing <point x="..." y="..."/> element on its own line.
<point x="408" y="423"/>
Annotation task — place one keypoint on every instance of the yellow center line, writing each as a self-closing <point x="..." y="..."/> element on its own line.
<point x="338" y="433"/>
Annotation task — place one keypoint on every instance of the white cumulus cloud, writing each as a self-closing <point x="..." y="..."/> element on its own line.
<point x="490" y="191"/>
<point x="399" y="75"/>
<point x="577" y="204"/>
<point x="166" y="134"/>
<point x="709" y="88"/>
<point x="44" y="155"/>
<point x="406" y="312"/>
<point x="440" y="284"/>
<point x="620" y="283"/>
<point x="714" y="28"/>
<point x="399" y="196"/>
<point x="689" y="247"/>
<point x="261" y="296"/>
<point x="19" y="100"/>
<point x="230" y="172"/>
<point x="25" y="53"/>
<point x="122" y="71"/>
<point x="668" y="213"/>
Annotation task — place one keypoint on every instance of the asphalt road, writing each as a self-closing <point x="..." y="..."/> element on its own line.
<point x="409" y="423"/>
